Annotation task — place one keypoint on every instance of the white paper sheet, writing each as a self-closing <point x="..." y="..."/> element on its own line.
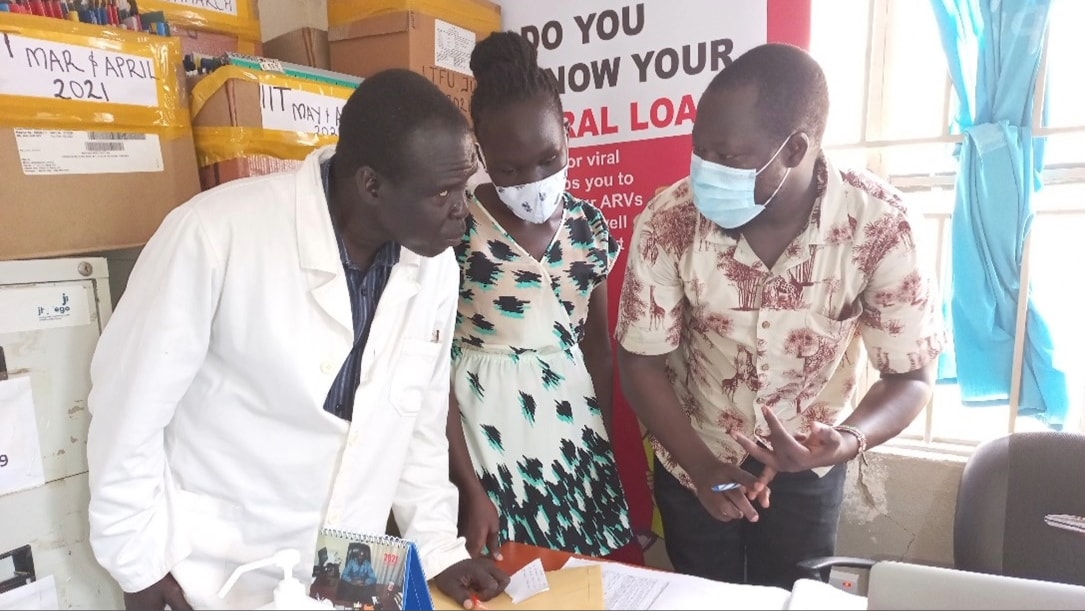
<point x="527" y="582"/>
<point x="47" y="306"/>
<point x="40" y="594"/>
<point x="678" y="591"/>
<point x="20" y="450"/>
<point x="293" y="110"/>
<point x="47" y="152"/>
<point x="811" y="595"/>
<point x="32" y="65"/>
<point x="226" y="7"/>
<point x="452" y="46"/>
<point x="625" y="590"/>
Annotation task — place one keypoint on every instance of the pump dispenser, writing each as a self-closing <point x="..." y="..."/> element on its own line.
<point x="290" y="593"/>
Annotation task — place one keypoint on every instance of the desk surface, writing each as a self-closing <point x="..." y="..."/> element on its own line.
<point x="516" y="555"/>
<point x="579" y="588"/>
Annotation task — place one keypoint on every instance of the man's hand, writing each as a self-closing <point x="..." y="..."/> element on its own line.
<point x="480" y="525"/>
<point x="762" y="495"/>
<point x="824" y="446"/>
<point x="164" y="592"/>
<point x="468" y="578"/>
<point x="731" y="504"/>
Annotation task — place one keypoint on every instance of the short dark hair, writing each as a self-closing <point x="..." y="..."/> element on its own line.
<point x="381" y="115"/>
<point x="792" y="94"/>
<point x="506" y="69"/>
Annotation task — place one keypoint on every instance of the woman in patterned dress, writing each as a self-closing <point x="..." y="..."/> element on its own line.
<point x="531" y="359"/>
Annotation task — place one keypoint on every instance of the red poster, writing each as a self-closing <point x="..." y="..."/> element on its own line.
<point x="631" y="74"/>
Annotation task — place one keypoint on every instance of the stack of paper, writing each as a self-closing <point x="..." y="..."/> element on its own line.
<point x="576" y="588"/>
<point x="589" y="584"/>
<point x="811" y="595"/>
<point x="630" y="587"/>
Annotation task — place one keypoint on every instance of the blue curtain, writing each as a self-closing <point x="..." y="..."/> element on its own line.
<point x="993" y="48"/>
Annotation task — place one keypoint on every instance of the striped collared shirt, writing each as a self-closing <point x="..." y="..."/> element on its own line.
<point x="365" y="287"/>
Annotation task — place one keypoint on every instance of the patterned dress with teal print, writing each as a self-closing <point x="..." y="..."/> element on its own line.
<point x="530" y="415"/>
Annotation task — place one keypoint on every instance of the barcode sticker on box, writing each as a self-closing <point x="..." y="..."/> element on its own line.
<point x="50" y="152"/>
<point x="271" y="65"/>
<point x="104" y="146"/>
<point x="115" y="136"/>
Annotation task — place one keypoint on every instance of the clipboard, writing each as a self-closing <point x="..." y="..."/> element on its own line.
<point x="573" y="588"/>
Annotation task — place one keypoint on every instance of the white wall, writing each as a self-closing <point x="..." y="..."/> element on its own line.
<point x="281" y="16"/>
<point x="900" y="506"/>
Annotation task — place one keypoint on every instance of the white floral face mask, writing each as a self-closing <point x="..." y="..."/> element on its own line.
<point x="535" y="202"/>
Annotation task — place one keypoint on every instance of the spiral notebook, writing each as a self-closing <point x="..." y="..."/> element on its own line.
<point x="377" y="572"/>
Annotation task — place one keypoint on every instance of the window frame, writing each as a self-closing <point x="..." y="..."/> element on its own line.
<point x="874" y="145"/>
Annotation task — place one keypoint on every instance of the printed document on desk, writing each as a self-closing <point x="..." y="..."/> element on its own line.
<point x="578" y="588"/>
<point x="630" y="587"/>
<point x="812" y="595"/>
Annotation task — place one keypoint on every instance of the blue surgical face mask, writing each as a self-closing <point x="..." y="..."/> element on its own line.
<point x="725" y="195"/>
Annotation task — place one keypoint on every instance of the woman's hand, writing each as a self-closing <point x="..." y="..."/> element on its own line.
<point x="481" y="525"/>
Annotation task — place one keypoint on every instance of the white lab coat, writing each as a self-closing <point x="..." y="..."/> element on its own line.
<point x="209" y="446"/>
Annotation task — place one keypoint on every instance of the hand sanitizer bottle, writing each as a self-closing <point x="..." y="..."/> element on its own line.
<point x="290" y="593"/>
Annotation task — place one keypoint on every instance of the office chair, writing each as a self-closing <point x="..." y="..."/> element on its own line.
<point x="1008" y="485"/>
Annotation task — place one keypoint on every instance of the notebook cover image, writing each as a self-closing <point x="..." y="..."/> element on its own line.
<point x="366" y="572"/>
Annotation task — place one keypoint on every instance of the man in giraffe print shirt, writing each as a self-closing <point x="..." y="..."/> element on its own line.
<point x="753" y="287"/>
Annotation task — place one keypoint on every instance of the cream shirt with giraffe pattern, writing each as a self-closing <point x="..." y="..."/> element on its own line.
<point x="742" y="336"/>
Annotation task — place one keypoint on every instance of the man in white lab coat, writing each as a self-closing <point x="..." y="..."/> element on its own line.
<point x="280" y="363"/>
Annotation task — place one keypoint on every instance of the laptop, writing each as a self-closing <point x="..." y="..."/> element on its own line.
<point x="899" y="585"/>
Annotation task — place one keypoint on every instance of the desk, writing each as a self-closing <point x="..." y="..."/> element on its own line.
<point x="580" y="588"/>
<point x="630" y="583"/>
<point x="516" y="555"/>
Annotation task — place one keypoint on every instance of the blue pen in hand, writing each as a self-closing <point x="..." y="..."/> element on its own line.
<point x="725" y="487"/>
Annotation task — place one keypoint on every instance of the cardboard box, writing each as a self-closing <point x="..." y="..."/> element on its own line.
<point x="46" y="215"/>
<point x="233" y="139"/>
<point x="235" y="104"/>
<point x="434" y="48"/>
<point x="304" y="46"/>
<point x="90" y="175"/>
<point x="479" y="16"/>
<point x="211" y="28"/>
<point x="253" y="165"/>
<point x="206" y="42"/>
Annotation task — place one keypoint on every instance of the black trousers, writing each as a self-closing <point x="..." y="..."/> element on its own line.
<point x="800" y="523"/>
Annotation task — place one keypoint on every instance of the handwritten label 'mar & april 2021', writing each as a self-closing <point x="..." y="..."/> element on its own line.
<point x="40" y="68"/>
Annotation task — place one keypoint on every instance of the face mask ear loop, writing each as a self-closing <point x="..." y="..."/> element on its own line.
<point x="778" y="187"/>
<point x="776" y="154"/>
<point x="481" y="158"/>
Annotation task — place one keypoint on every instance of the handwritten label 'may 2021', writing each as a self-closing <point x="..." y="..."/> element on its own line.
<point x="45" y="69"/>
<point x="294" y="110"/>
